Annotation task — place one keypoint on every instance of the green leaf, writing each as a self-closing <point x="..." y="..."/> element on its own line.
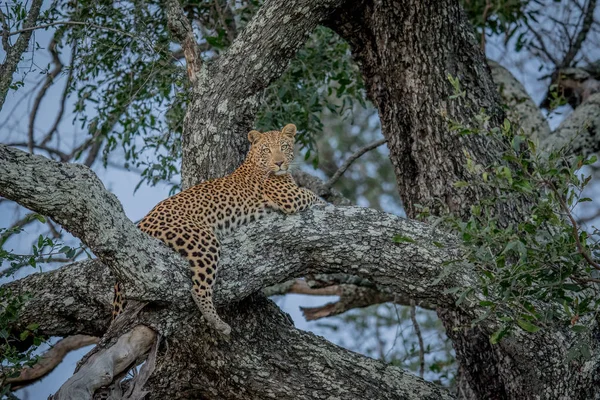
<point x="32" y="327"/>
<point x="572" y="287"/>
<point x="585" y="351"/>
<point x="590" y="160"/>
<point x="527" y="326"/>
<point x="463" y="296"/>
<point x="64" y="249"/>
<point x="403" y="239"/>
<point x="499" y="334"/>
<point x="460" y="184"/>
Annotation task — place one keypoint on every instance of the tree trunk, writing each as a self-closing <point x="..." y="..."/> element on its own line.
<point x="406" y="50"/>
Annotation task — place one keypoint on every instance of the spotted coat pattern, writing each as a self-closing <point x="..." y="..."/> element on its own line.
<point x="192" y="221"/>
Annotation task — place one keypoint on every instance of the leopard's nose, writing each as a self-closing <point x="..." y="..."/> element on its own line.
<point x="279" y="163"/>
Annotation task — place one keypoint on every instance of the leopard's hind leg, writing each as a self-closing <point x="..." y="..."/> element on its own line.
<point x="119" y="302"/>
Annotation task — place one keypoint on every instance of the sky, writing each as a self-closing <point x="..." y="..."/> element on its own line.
<point x="13" y="127"/>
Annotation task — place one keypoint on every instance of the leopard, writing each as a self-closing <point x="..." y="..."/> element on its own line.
<point x="194" y="221"/>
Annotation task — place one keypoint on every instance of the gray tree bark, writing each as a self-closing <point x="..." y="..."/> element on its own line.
<point x="299" y="365"/>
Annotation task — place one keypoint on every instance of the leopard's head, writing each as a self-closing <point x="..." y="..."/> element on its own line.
<point x="273" y="151"/>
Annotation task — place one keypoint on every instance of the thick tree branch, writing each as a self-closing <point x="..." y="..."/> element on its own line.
<point x="74" y="299"/>
<point x="580" y="130"/>
<point x="350" y="240"/>
<point x="356" y="243"/>
<point x="73" y="196"/>
<point x="521" y="108"/>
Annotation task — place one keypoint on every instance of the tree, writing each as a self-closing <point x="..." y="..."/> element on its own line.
<point x="405" y="54"/>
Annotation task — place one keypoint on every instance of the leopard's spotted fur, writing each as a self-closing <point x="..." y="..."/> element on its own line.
<point x="190" y="222"/>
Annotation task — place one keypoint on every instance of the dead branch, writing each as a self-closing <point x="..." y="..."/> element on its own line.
<point x="100" y="369"/>
<point x="351" y="296"/>
<point x="50" y="360"/>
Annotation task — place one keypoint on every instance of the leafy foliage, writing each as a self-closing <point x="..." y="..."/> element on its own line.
<point x="128" y="81"/>
<point x="501" y="17"/>
<point x="14" y="358"/>
<point x="540" y="270"/>
<point x="322" y="76"/>
<point x="44" y="250"/>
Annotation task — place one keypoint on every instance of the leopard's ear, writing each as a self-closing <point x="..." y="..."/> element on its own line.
<point x="289" y="130"/>
<point x="253" y="136"/>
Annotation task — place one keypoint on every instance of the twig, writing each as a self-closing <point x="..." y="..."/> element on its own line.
<point x="17" y="225"/>
<point x="38" y="99"/>
<point x="585" y="280"/>
<point x="585" y="220"/>
<point x="350" y="160"/>
<point x="78" y="23"/>
<point x="566" y="210"/>
<point x="230" y="33"/>
<point x="413" y="317"/>
<point x="63" y="99"/>
<point x="488" y="5"/>
<point x="63" y="156"/>
<point x="542" y="44"/>
<point x="55" y="233"/>
<point x="588" y="20"/>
